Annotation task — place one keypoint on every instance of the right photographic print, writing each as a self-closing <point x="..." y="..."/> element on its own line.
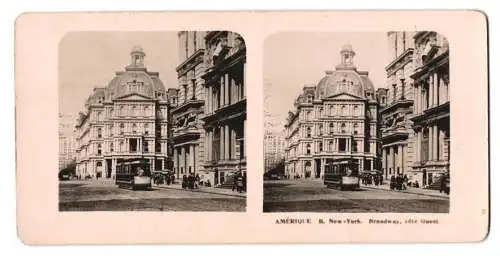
<point x="357" y="122"/>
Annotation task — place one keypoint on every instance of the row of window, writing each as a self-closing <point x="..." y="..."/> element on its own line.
<point x="333" y="110"/>
<point x="342" y="128"/>
<point x="132" y="128"/>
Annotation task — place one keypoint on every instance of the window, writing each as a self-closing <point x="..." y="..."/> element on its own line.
<point x="193" y="84"/>
<point x="343" y="128"/>
<point x="356" y="110"/>
<point x="308" y="149"/>
<point x="320" y="146"/>
<point x="146" y="129"/>
<point x="99" y="149"/>
<point x="146" y="111"/>
<point x="308" y="115"/>
<point x="121" y="146"/>
<point x="122" y="111"/>
<point x="185" y="93"/>
<point x="99" y="132"/>
<point x="194" y="41"/>
<point x="122" y="128"/>
<point x="146" y="146"/>
<point x="355" y="146"/>
<point x="111" y="147"/>
<point x="342" y="145"/>
<point x="320" y="112"/>
<point x="134" y="111"/>
<point x="133" y="145"/>
<point x="343" y="111"/>
<point x="320" y="129"/>
<point x="158" y="146"/>
<point x="330" y="145"/>
<point x="356" y="126"/>
<point x="111" y="128"/>
<point x="134" y="128"/>
<point x="111" y="112"/>
<point x="331" y="128"/>
<point x="99" y="116"/>
<point x="310" y="98"/>
<point x="394" y="92"/>
<point x="308" y="132"/>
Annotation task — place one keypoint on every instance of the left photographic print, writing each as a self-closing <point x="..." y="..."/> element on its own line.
<point x="152" y="121"/>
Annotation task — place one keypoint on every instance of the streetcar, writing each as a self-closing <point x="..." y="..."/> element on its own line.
<point x="342" y="173"/>
<point x="133" y="174"/>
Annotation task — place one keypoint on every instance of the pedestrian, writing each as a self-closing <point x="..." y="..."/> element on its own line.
<point x="197" y="180"/>
<point x="393" y="182"/>
<point x="443" y="184"/>
<point x="239" y="183"/>
<point x="405" y="182"/>
<point x="235" y="180"/>
<point x="184" y="181"/>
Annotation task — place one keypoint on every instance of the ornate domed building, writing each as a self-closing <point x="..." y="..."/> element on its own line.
<point x="126" y="119"/>
<point x="335" y="119"/>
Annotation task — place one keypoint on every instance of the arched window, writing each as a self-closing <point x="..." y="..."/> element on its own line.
<point x="343" y="111"/>
<point x="134" y="110"/>
<point x="308" y="149"/>
<point x="356" y="110"/>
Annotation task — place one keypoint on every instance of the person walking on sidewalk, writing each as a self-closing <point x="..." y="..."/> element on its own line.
<point x="184" y="181"/>
<point x="393" y="182"/>
<point x="239" y="183"/>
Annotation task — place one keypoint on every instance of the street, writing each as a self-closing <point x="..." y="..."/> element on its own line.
<point x="313" y="196"/>
<point x="105" y="196"/>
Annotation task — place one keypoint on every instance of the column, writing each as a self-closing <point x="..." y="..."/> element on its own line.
<point x="226" y="142"/>
<point x="152" y="161"/>
<point x="436" y="89"/>
<point x="431" y="138"/>
<point x="416" y="99"/>
<point x="431" y="90"/>
<point x="417" y="146"/>
<point x="384" y="159"/>
<point x="182" y="160"/>
<point x="226" y="89"/>
<point x="391" y="157"/>
<point x="222" y="91"/>
<point x="435" y="149"/>
<point x="222" y="137"/>
<point x="163" y="164"/>
<point x="233" y="144"/>
<point x="401" y="158"/>
<point x="113" y="168"/>
<point x="210" y="144"/>
<point x="191" y="157"/>
<point x="322" y="167"/>
<point x="206" y="99"/>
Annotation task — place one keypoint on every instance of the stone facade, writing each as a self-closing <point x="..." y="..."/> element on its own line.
<point x="188" y="135"/>
<point x="398" y="139"/>
<point x="337" y="118"/>
<point x="431" y="115"/>
<point x="225" y="106"/>
<point x="126" y="119"/>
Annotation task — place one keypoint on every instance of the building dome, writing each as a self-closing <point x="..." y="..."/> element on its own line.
<point x="338" y="82"/>
<point x="346" y="79"/>
<point x="135" y="79"/>
<point x="137" y="49"/>
<point x="347" y="48"/>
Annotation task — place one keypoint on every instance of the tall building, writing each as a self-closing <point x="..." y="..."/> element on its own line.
<point x="225" y="106"/>
<point x="66" y="140"/>
<point x="188" y="135"/>
<point x="337" y="118"/>
<point x="274" y="149"/>
<point x="431" y="117"/>
<point x="397" y="136"/>
<point x="126" y="119"/>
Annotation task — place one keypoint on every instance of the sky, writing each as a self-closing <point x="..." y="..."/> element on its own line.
<point x="90" y="59"/>
<point x="295" y="59"/>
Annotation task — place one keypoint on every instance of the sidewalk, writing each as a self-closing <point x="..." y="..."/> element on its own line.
<point x="417" y="191"/>
<point x="202" y="189"/>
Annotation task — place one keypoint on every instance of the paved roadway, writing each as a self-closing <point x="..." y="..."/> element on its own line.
<point x="95" y="196"/>
<point x="313" y="196"/>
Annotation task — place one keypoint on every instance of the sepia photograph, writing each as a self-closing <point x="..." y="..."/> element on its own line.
<point x="357" y="122"/>
<point x="152" y="121"/>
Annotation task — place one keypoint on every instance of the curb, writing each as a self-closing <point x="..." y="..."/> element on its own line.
<point x="408" y="192"/>
<point x="201" y="191"/>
